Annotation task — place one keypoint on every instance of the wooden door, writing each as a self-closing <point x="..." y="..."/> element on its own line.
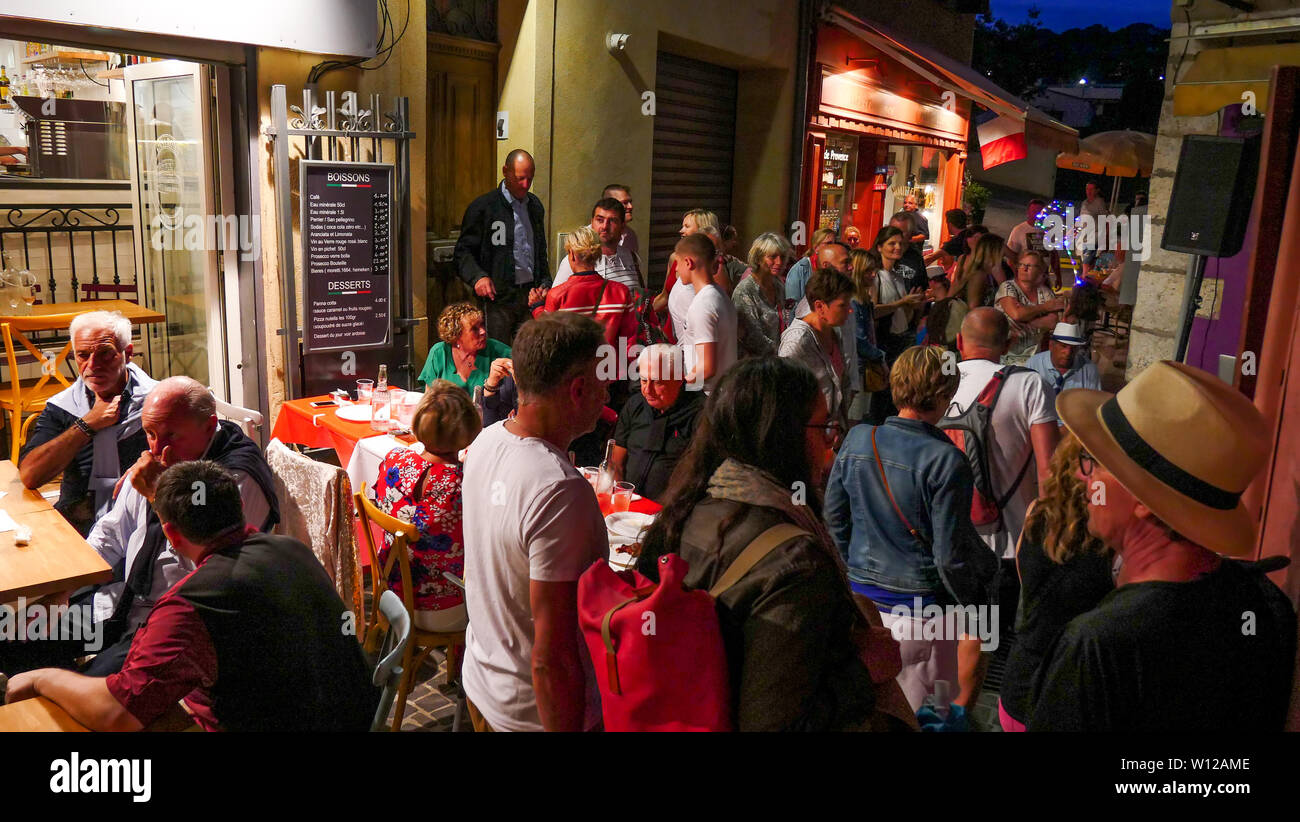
<point x="462" y="147"/>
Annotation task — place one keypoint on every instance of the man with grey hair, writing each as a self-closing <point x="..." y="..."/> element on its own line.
<point x="656" y="425"/>
<point x="181" y="425"/>
<point x="90" y="432"/>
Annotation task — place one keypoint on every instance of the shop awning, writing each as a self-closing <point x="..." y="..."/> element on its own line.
<point x="1219" y="77"/>
<point x="938" y="68"/>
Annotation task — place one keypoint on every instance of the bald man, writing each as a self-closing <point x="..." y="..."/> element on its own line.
<point x="1025" y="434"/>
<point x="181" y="425"/>
<point x="501" y="252"/>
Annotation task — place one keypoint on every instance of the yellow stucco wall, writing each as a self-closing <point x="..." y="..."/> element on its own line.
<point x="404" y="74"/>
<point x="586" y="128"/>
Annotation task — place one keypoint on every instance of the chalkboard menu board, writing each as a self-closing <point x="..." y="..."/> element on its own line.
<point x="346" y="229"/>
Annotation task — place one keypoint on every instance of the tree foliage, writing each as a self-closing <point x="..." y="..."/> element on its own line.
<point x="1025" y="58"/>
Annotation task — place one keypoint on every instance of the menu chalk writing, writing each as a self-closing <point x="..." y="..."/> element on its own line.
<point x="347" y="248"/>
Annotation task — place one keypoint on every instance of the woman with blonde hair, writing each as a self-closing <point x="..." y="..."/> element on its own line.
<point x="898" y="508"/>
<point x="976" y="277"/>
<point x="1064" y="572"/>
<point x="466" y="356"/>
<point x="760" y="297"/>
<point x="424" y="489"/>
<point x="1030" y="305"/>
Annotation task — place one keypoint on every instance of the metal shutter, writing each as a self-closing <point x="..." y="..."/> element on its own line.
<point x="694" y="146"/>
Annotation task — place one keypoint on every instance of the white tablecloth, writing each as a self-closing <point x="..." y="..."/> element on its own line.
<point x="366" y="458"/>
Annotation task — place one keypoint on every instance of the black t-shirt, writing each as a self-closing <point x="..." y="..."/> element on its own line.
<point x="956" y="245"/>
<point x="913" y="260"/>
<point x="655" y="441"/>
<point x="1214" y="654"/>
<point x="1050" y="596"/>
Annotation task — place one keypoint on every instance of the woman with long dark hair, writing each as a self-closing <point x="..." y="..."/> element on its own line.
<point x="756" y="461"/>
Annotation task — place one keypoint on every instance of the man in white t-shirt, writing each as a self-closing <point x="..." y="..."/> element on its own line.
<point x="1028" y="237"/>
<point x="1095" y="208"/>
<point x="1024" y="422"/>
<point x="1024" y="435"/>
<point x="709" y="334"/>
<point x="532" y="527"/>
<point x="615" y="264"/>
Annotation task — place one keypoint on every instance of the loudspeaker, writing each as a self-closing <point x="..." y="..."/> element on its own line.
<point x="1213" y="189"/>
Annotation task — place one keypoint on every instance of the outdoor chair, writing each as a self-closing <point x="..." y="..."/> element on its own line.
<point x="388" y="670"/>
<point x="28" y="396"/>
<point x="247" y="418"/>
<point x="423" y="643"/>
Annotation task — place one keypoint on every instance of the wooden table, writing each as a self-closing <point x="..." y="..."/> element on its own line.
<point x="37" y="714"/>
<point x="18" y="498"/>
<point x="56" y="559"/>
<point x="134" y="312"/>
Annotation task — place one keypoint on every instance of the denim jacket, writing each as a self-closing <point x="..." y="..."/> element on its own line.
<point x="932" y="484"/>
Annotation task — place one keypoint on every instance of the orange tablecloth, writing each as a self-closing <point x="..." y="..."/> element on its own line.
<point x="300" y="424"/>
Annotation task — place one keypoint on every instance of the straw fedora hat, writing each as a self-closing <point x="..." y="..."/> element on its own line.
<point x="1184" y="443"/>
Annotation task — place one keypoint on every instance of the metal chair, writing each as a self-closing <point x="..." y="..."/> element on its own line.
<point x="388" y="672"/>
<point x="423" y="642"/>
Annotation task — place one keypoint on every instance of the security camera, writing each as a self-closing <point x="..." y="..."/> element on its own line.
<point x="615" y="42"/>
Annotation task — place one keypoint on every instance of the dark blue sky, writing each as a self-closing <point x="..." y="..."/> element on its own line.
<point x="1060" y="15"/>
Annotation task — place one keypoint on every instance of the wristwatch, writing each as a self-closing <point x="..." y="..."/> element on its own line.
<point x="84" y="427"/>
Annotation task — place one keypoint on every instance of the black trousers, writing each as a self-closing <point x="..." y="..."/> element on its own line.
<point x="506" y="313"/>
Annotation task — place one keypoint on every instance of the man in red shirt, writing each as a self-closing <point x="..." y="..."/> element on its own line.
<point x="607" y="302"/>
<point x="255" y="638"/>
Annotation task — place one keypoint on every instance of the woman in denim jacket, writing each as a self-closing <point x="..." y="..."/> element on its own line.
<point x="907" y="536"/>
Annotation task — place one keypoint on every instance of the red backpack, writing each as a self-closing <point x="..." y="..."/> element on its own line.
<point x="657" y="648"/>
<point x="971" y="431"/>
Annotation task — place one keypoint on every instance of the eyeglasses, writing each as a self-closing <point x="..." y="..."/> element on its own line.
<point x="830" y="430"/>
<point x="1086" y="463"/>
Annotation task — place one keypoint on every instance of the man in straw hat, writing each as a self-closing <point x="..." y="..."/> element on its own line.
<point x="1188" y="640"/>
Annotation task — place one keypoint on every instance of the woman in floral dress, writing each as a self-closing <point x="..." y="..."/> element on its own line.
<point x="423" y="488"/>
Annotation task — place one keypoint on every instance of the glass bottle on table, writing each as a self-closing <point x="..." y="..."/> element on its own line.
<point x="605" y="484"/>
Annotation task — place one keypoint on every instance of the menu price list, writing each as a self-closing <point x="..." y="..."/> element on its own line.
<point x="346" y="224"/>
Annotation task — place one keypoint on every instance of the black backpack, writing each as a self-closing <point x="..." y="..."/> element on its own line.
<point x="971" y="430"/>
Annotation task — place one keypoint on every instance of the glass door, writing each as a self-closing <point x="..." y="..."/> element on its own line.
<point x="178" y="226"/>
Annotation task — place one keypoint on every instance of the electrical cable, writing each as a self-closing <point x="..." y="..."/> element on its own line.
<point x="387" y="28"/>
<point x="82" y="64"/>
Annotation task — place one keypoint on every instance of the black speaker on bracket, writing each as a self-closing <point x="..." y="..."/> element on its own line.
<point x="1213" y="189"/>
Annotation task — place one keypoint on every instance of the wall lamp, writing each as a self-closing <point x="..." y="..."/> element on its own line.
<point x="615" y="42"/>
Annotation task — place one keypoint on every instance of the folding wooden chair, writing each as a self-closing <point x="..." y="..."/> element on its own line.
<point x="29" y="396"/>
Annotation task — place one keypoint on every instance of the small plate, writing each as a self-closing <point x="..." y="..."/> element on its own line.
<point x="354" y="413"/>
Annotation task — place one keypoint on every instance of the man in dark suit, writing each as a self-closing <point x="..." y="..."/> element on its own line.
<point x="501" y="252"/>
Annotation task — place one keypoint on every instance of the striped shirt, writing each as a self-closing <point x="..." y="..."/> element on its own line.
<point x="619" y="267"/>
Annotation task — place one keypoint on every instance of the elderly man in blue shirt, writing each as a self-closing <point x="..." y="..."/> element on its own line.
<point x="1064" y="365"/>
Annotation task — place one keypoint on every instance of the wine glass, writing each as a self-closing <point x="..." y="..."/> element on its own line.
<point x="28" y="288"/>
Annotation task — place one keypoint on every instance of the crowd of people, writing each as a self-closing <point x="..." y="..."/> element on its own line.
<point x="925" y="413"/>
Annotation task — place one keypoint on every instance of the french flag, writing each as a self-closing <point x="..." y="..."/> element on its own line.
<point x="1002" y="138"/>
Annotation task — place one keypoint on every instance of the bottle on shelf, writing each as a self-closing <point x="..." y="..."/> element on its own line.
<point x="4" y="88"/>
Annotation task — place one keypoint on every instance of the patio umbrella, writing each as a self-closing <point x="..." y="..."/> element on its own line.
<point x="1113" y="154"/>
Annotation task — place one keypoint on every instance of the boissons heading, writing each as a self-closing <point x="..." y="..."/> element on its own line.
<point x="347" y="177"/>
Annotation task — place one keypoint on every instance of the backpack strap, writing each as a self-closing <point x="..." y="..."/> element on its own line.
<point x="881" y="466"/>
<point x="611" y="655"/>
<point x="762" y="545"/>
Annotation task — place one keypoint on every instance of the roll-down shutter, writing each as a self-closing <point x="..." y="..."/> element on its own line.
<point x="694" y="147"/>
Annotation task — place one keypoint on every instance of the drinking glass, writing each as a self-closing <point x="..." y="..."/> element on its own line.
<point x="621" y="497"/>
<point x="406" y="410"/>
<point x="380" y="410"/>
<point x="364" y="389"/>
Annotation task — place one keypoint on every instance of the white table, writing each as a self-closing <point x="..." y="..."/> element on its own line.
<point x="363" y="466"/>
